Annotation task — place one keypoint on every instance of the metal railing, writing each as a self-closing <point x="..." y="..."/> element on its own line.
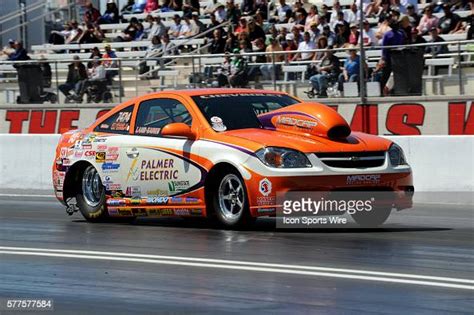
<point x="457" y="75"/>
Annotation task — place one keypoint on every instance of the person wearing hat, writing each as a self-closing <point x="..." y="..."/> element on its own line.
<point x="427" y="21"/>
<point x="220" y="13"/>
<point x="291" y="45"/>
<point x="435" y="38"/>
<point x="111" y="14"/>
<point x="76" y="77"/>
<point x="328" y="71"/>
<point x="413" y="15"/>
<point x="10" y="48"/>
<point x="450" y="22"/>
<point x="354" y="34"/>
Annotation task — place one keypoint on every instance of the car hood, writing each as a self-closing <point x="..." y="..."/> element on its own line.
<point x="307" y="127"/>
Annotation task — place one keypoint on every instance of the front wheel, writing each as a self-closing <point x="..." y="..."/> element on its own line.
<point x="230" y="201"/>
<point x="91" y="198"/>
<point x="374" y="218"/>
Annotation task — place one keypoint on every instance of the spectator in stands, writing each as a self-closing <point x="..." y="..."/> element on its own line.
<point x="128" y="7"/>
<point x="91" y="14"/>
<point x="76" y="77"/>
<point x="394" y="37"/>
<point x="238" y="71"/>
<point x="231" y="42"/>
<point x="20" y="52"/>
<point x="97" y="76"/>
<point x="168" y="49"/>
<point x="354" y="35"/>
<point x="233" y="12"/>
<point x="329" y="35"/>
<point x="109" y="63"/>
<point x="428" y="21"/>
<point x="298" y="37"/>
<point x="95" y="52"/>
<point x="470" y="23"/>
<point x="413" y="15"/>
<point x="329" y="70"/>
<point x="262" y="7"/>
<point x="336" y="14"/>
<point x="281" y="12"/>
<point x="436" y="49"/>
<point x="151" y="51"/>
<point x="75" y="33"/>
<point x="412" y="3"/>
<point x="134" y="31"/>
<point x="217" y="43"/>
<point x="341" y="35"/>
<point x="325" y="13"/>
<point x="255" y="31"/>
<point x="191" y="6"/>
<point x="298" y="7"/>
<point x="150" y="6"/>
<point x="340" y="21"/>
<point x="449" y="23"/>
<point x="322" y="44"/>
<point x="139" y="6"/>
<point x="220" y="13"/>
<point x="291" y="45"/>
<point x="176" y="5"/>
<point x="384" y="12"/>
<point x="197" y="23"/>
<point x="111" y="14"/>
<point x="384" y="27"/>
<point x="398" y="6"/>
<point x="157" y="28"/>
<point x="92" y="35"/>
<point x="368" y="35"/>
<point x="189" y="28"/>
<point x="248" y="7"/>
<point x="9" y="49"/>
<point x="175" y="28"/>
<point x="353" y="14"/>
<point x="314" y="32"/>
<point x="350" y="72"/>
<point x="312" y="18"/>
<point x="416" y="38"/>
<point x="304" y="49"/>
<point x="270" y="71"/>
<point x="405" y="26"/>
<point x="241" y="26"/>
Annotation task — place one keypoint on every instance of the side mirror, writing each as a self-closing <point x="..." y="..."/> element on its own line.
<point x="178" y="130"/>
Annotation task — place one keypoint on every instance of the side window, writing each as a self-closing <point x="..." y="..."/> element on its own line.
<point x="118" y="122"/>
<point x="154" y="114"/>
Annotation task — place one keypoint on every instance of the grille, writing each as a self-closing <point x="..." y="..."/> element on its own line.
<point x="352" y="159"/>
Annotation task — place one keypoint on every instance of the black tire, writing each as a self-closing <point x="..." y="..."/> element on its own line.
<point x="221" y="206"/>
<point x="374" y="218"/>
<point x="92" y="212"/>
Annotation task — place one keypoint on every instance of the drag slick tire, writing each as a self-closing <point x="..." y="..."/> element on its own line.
<point x="91" y="196"/>
<point x="229" y="200"/>
<point x="372" y="219"/>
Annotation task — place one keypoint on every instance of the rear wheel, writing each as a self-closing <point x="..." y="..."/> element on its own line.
<point x="91" y="197"/>
<point x="230" y="201"/>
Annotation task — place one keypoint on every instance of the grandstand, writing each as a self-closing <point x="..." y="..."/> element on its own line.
<point x="196" y="58"/>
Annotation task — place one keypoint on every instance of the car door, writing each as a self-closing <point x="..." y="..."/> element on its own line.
<point x="159" y="166"/>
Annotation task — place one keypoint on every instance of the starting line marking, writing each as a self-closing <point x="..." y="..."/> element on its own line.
<point x="444" y="282"/>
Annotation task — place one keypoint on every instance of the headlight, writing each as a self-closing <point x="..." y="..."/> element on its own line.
<point x="396" y="155"/>
<point x="283" y="158"/>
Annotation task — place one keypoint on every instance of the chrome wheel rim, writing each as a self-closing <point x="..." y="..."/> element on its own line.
<point x="92" y="188"/>
<point x="231" y="197"/>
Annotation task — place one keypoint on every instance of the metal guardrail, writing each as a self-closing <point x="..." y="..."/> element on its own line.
<point x="193" y="62"/>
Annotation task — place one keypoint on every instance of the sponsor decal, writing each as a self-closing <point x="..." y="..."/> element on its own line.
<point x="217" y="124"/>
<point x="139" y="212"/>
<point x="265" y="187"/>
<point x="78" y="154"/>
<point x="116" y="202"/>
<point x="59" y="195"/>
<point x="113" y="211"/>
<point x="109" y="166"/>
<point x="363" y="179"/>
<point x="87" y="145"/>
<point x="113" y="187"/>
<point x="266" y="210"/>
<point x="159" y="169"/>
<point x="67" y="162"/>
<point x="100" y="157"/>
<point x="177" y="186"/>
<point x="157" y="192"/>
<point x="147" y="130"/>
<point x="266" y="201"/>
<point x="181" y="212"/>
<point x="157" y="200"/>
<point x="107" y="180"/>
<point x="134" y="191"/>
<point x="89" y="154"/>
<point x="300" y="123"/>
<point x="101" y="147"/>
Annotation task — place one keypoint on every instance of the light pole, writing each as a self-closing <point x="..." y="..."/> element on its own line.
<point x="362" y="81"/>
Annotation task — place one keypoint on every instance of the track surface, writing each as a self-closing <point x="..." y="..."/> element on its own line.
<point x="432" y="240"/>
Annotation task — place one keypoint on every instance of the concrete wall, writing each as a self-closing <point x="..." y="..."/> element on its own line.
<point x="440" y="163"/>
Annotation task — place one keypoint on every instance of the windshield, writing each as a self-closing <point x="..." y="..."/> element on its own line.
<point x="239" y="111"/>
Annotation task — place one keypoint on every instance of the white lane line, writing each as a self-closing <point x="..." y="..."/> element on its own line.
<point x="27" y="195"/>
<point x="348" y="273"/>
<point x="246" y="268"/>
